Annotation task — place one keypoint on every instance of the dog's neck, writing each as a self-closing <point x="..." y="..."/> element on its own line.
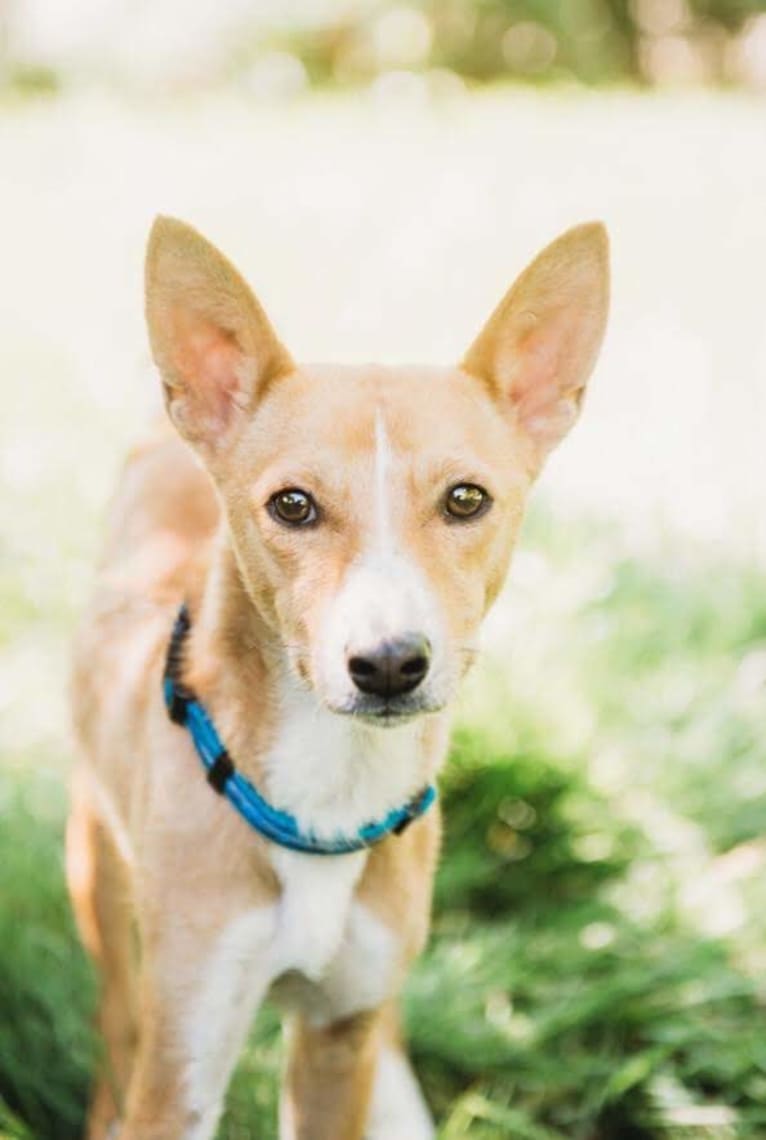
<point x="332" y="772"/>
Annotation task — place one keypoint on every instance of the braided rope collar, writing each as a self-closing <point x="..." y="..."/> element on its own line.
<point x="185" y="710"/>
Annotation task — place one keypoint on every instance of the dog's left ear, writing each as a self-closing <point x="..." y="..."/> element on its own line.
<point x="212" y="341"/>
<point x="539" y="347"/>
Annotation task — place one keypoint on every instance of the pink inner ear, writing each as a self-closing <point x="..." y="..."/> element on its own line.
<point x="209" y="363"/>
<point x="541" y="365"/>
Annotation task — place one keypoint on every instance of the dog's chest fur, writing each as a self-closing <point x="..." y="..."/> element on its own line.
<point x="334" y="774"/>
<point x="328" y="948"/>
<point x="330" y="955"/>
<point x="317" y="948"/>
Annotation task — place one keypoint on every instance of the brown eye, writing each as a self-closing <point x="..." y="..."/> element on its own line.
<point x="466" y="501"/>
<point x="293" y="507"/>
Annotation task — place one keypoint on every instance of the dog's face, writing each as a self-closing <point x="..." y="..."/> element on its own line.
<point x="373" y="510"/>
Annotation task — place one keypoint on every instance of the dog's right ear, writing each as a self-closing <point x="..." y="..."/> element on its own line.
<point x="211" y="340"/>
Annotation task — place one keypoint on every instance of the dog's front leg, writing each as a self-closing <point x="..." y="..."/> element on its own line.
<point x="329" y="1078"/>
<point x="199" y="995"/>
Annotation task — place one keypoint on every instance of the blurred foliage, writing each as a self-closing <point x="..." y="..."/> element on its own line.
<point x="517" y="832"/>
<point x="271" y="52"/>
<point x="597" y="961"/>
<point x="46" y="988"/>
<point x="590" y="41"/>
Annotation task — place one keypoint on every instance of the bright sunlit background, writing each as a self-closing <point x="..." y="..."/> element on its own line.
<point x="380" y="172"/>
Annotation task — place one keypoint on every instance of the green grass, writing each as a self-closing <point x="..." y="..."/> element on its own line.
<point x="46" y="988"/>
<point x="596" y="965"/>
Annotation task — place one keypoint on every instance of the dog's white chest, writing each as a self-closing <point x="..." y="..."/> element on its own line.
<point x="313" y="912"/>
<point x="336" y="955"/>
<point x="332" y="955"/>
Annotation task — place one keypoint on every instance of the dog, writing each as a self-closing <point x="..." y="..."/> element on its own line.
<point x="291" y="591"/>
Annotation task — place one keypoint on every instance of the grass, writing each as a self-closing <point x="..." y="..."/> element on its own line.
<point x="596" y="965"/>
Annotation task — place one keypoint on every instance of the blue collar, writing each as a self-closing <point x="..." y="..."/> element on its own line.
<point x="279" y="826"/>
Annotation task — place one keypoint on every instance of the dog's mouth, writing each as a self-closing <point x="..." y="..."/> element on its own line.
<point x="386" y="712"/>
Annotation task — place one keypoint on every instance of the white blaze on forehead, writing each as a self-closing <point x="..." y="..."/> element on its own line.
<point x="385" y="593"/>
<point x="386" y="587"/>
<point x="383" y="467"/>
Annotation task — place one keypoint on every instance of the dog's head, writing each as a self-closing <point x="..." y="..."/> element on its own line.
<point x="373" y="510"/>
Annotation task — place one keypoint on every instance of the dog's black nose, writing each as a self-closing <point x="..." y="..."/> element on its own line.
<point x="392" y="668"/>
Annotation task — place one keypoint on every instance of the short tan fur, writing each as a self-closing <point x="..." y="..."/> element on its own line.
<point x="192" y="918"/>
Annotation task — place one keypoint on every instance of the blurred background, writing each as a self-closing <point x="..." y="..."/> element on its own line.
<point x="380" y="172"/>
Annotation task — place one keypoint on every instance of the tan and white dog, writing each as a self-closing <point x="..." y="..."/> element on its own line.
<point x="338" y="535"/>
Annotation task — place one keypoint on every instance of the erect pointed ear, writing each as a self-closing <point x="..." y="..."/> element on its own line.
<point x="210" y="339"/>
<point x="538" y="348"/>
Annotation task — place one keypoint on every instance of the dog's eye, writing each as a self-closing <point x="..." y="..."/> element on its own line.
<point x="293" y="507"/>
<point x="466" y="501"/>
